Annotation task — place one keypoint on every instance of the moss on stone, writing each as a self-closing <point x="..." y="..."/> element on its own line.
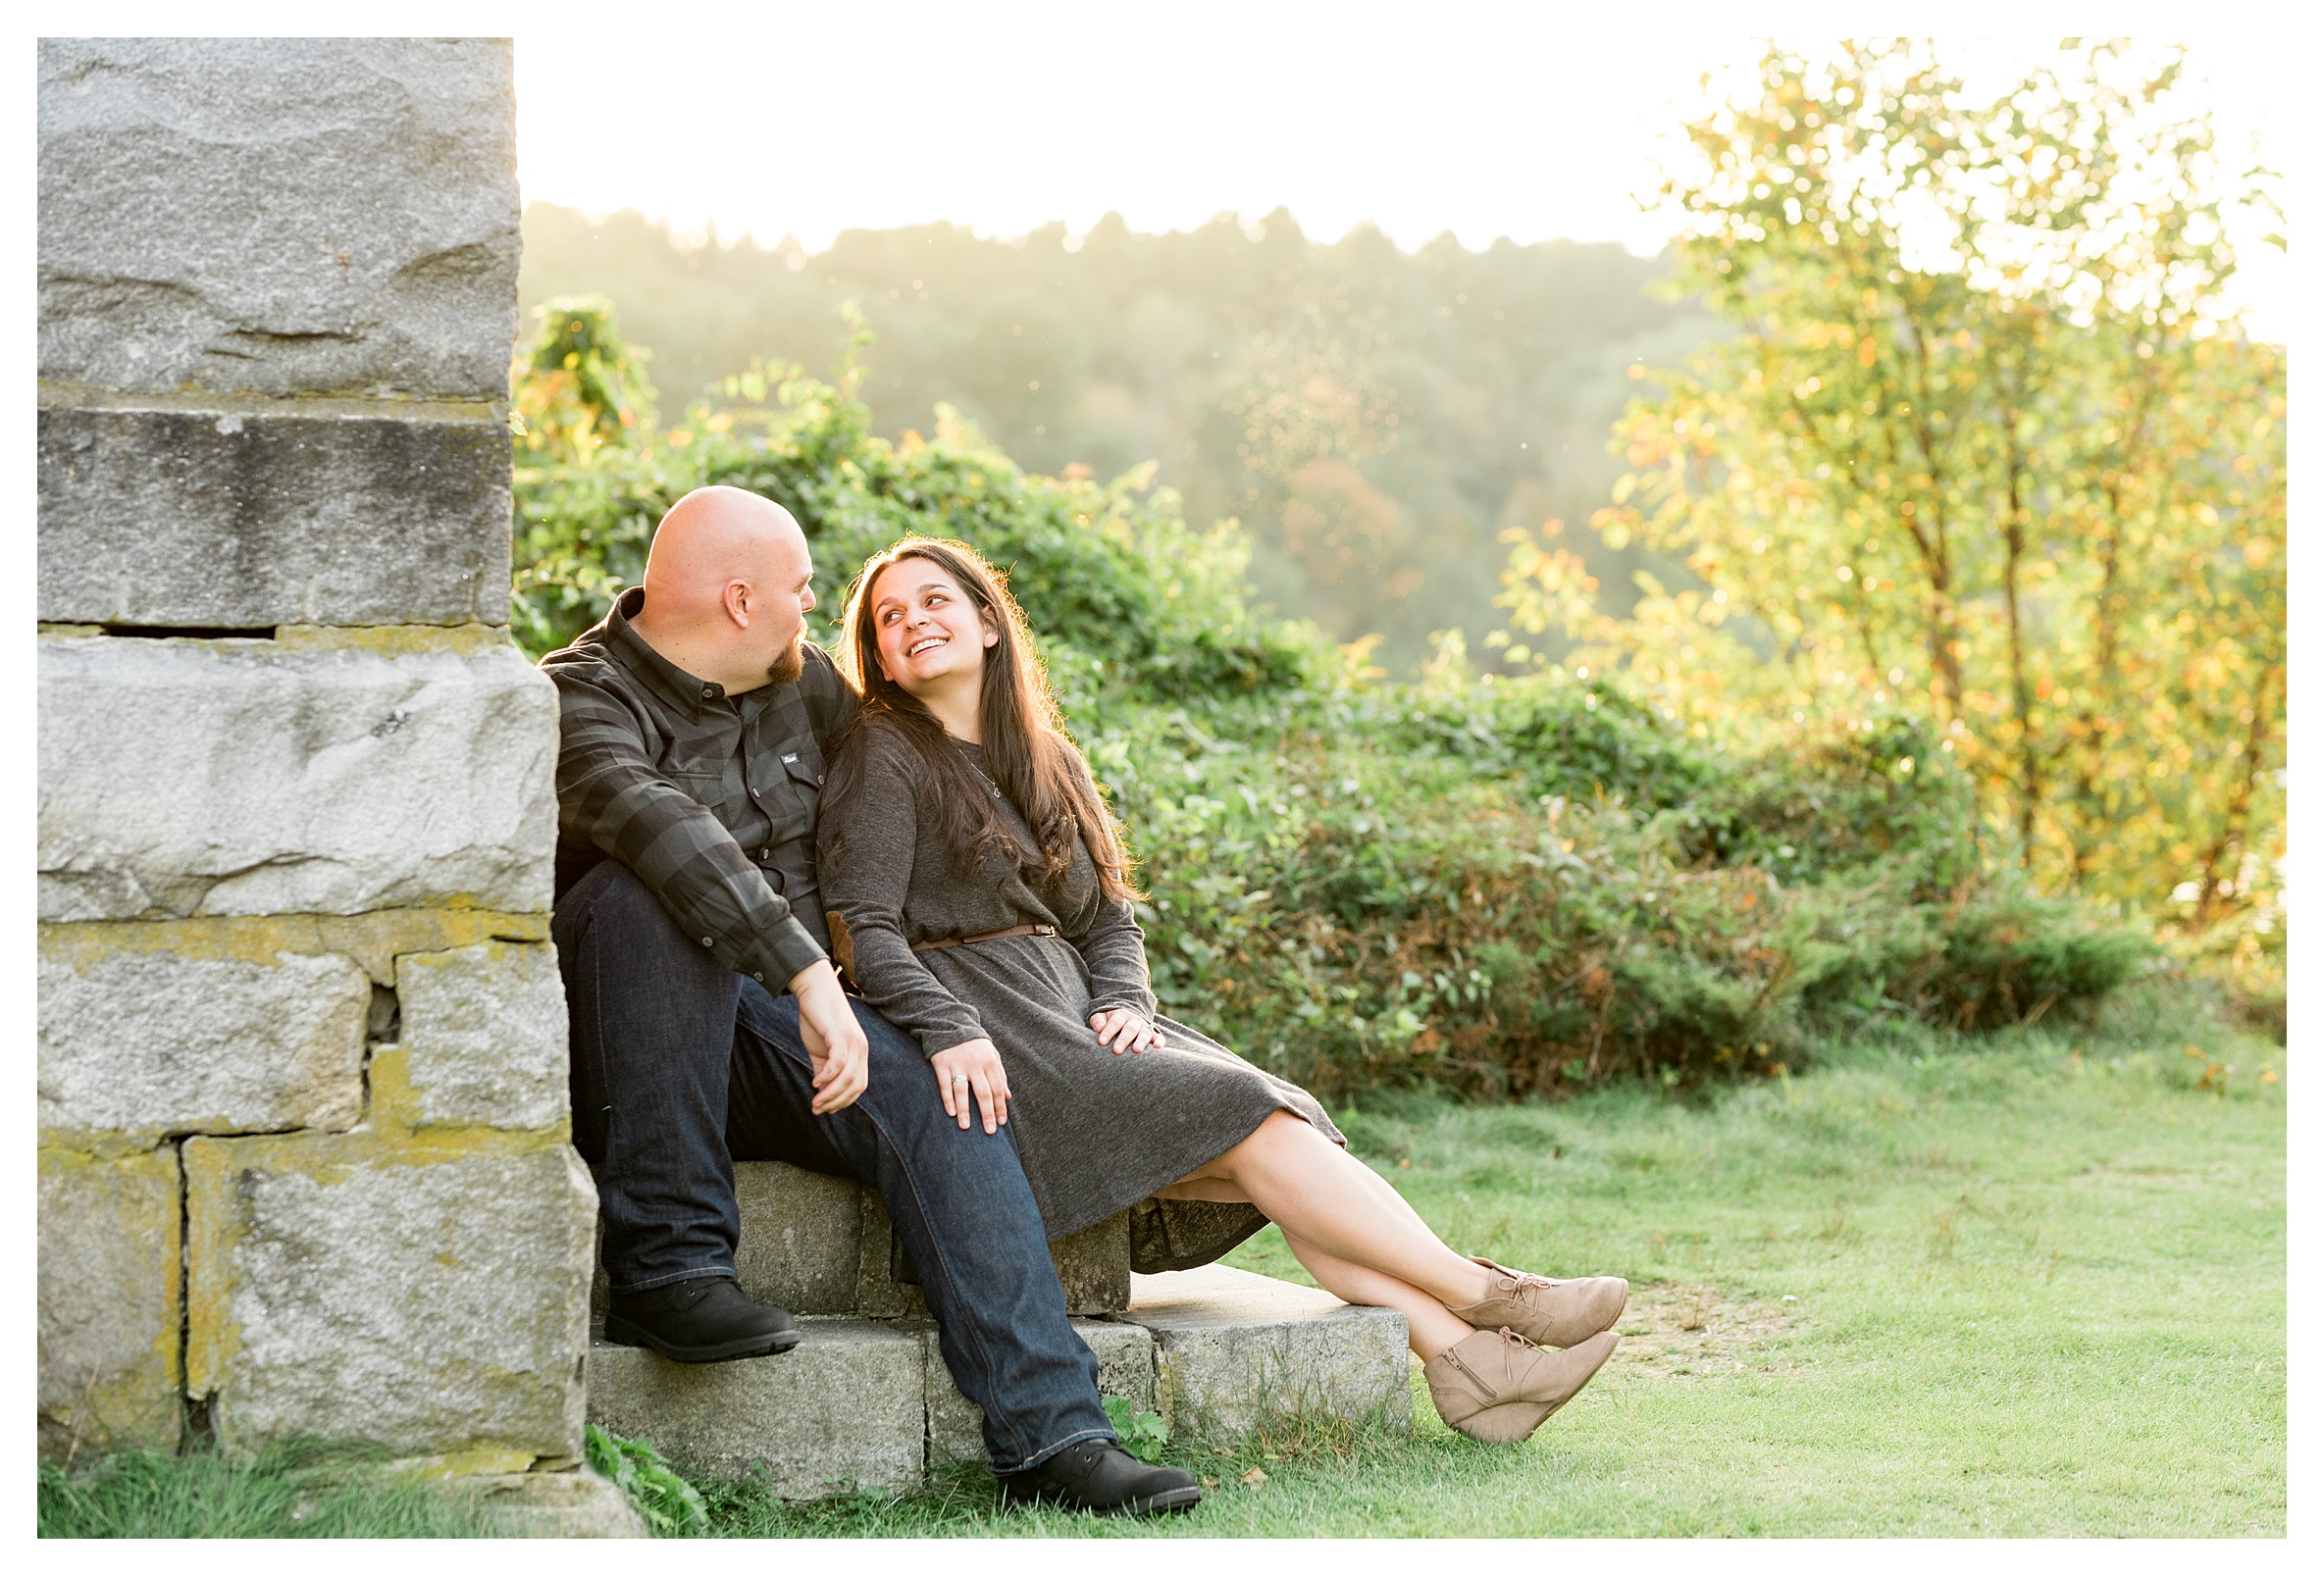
<point x="374" y="940"/>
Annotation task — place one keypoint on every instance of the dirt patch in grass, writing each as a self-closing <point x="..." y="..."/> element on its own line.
<point x="1692" y="1328"/>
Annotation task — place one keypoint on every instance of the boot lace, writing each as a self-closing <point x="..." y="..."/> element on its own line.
<point x="1521" y="1283"/>
<point x="1511" y="1348"/>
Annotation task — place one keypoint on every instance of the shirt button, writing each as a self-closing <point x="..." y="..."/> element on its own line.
<point x="765" y="852"/>
<point x="706" y="940"/>
<point x="709" y="692"/>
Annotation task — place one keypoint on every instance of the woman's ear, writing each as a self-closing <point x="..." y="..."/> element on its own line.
<point x="992" y="630"/>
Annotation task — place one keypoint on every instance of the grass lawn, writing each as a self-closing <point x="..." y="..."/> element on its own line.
<point x="2031" y="1286"/>
<point x="287" y="1492"/>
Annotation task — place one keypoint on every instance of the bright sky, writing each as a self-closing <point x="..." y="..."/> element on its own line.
<point x="1484" y="119"/>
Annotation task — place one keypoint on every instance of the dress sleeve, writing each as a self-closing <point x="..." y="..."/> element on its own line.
<point x="867" y="840"/>
<point x="1113" y="947"/>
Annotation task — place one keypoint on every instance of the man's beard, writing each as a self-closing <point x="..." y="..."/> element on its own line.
<point x="791" y="662"/>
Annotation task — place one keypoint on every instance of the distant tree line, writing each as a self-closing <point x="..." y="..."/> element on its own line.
<point x="1374" y="418"/>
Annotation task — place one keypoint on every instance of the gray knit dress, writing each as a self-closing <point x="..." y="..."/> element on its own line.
<point x="1098" y="1132"/>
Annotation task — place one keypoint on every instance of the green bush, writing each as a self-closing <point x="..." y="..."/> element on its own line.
<point x="1581" y="740"/>
<point x="1499" y="888"/>
<point x="1353" y="914"/>
<point x="1112" y="574"/>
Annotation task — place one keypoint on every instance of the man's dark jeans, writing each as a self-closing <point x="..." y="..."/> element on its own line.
<point x="681" y="1066"/>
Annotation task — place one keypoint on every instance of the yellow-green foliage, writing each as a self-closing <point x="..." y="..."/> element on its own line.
<point x="1988" y="451"/>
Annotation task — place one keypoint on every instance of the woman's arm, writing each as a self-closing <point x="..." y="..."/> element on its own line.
<point x="1114" y="946"/>
<point x="867" y="838"/>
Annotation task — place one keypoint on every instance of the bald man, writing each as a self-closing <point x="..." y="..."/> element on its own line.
<point x="708" y="1025"/>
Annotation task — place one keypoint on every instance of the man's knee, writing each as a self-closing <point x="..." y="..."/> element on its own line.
<point x="904" y="1099"/>
<point x="895" y="1062"/>
<point x="610" y="921"/>
<point x="613" y="894"/>
<point x="899" y="1070"/>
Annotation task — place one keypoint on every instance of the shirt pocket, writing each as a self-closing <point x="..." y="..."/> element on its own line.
<point x="710" y="788"/>
<point x="788" y="798"/>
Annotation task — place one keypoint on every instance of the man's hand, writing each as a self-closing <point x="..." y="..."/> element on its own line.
<point x="834" y="1038"/>
<point x="1124" y="1029"/>
<point x="973" y="1067"/>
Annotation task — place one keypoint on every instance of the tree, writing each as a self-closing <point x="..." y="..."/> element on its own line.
<point x="580" y="386"/>
<point x="1989" y="447"/>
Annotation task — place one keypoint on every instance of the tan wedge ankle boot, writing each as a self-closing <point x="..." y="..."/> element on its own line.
<point x="1493" y="1385"/>
<point x="1547" y="1312"/>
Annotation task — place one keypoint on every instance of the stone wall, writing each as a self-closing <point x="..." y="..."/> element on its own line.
<point x="304" y="1168"/>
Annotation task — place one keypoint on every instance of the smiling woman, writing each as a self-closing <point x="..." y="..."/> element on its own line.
<point x="931" y="640"/>
<point x="979" y="896"/>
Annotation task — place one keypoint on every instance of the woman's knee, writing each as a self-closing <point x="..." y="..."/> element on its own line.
<point x="1282" y="1133"/>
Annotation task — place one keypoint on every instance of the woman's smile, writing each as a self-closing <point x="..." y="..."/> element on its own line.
<point x="932" y="638"/>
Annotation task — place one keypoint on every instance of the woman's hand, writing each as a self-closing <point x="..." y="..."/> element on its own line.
<point x="1124" y="1029"/>
<point x="973" y="1067"/>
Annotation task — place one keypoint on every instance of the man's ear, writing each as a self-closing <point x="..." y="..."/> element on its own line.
<point x="737" y="600"/>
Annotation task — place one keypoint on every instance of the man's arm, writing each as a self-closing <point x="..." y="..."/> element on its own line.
<point x="611" y="794"/>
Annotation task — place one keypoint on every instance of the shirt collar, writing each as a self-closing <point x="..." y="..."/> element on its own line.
<point x="665" y="678"/>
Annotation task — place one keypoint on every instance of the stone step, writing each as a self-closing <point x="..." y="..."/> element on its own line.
<point x="858" y="1403"/>
<point x="819" y="1245"/>
<point x="845" y="1408"/>
<point x="572" y="1504"/>
<point x="867" y="1403"/>
<point x="1234" y="1351"/>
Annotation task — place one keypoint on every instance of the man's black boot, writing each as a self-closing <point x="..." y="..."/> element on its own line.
<point x="708" y="1319"/>
<point x="1100" y="1476"/>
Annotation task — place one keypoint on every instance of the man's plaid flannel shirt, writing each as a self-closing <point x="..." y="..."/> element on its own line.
<point x="709" y="799"/>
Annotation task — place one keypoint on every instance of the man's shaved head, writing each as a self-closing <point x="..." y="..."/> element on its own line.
<point x="727" y="587"/>
<point x="710" y="537"/>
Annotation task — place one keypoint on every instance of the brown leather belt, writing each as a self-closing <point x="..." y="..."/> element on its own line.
<point x="989" y="935"/>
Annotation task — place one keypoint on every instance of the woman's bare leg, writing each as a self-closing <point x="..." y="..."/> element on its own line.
<point x="1428" y="1327"/>
<point x="1324" y="1197"/>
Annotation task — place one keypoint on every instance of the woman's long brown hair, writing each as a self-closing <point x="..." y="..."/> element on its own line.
<point x="1027" y="753"/>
